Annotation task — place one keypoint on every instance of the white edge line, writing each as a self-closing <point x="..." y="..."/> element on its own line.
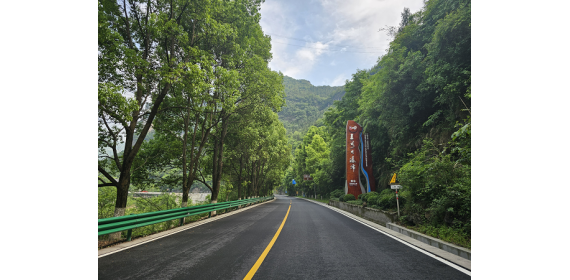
<point x="397" y="239"/>
<point x="205" y="221"/>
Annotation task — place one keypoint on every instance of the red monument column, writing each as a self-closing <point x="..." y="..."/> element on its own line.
<point x="352" y="184"/>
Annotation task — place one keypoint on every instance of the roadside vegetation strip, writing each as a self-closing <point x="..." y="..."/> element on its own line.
<point x="142" y="240"/>
<point x="412" y="243"/>
<point x="259" y="261"/>
<point x="116" y="224"/>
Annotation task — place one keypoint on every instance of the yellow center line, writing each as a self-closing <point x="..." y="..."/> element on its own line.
<point x="257" y="264"/>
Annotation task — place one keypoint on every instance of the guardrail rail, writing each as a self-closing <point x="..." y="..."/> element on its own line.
<point x="129" y="222"/>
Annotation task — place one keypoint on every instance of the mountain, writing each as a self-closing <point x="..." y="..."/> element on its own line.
<point x="305" y="104"/>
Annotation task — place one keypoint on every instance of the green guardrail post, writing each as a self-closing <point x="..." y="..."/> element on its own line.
<point x="129" y="233"/>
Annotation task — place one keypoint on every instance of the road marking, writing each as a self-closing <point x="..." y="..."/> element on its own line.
<point x="257" y="264"/>
<point x="344" y="213"/>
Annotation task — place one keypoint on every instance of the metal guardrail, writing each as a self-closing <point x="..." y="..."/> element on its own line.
<point x="129" y="222"/>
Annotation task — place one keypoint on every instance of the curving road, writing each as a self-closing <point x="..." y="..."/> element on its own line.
<point x="314" y="243"/>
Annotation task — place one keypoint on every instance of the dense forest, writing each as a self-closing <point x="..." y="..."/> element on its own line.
<point x="415" y="104"/>
<point x="195" y="75"/>
<point x="305" y="104"/>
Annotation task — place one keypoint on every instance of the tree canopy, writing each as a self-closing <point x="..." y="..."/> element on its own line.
<point x="415" y="105"/>
<point x="193" y="74"/>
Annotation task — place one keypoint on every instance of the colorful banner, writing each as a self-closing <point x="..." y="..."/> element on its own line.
<point x="366" y="163"/>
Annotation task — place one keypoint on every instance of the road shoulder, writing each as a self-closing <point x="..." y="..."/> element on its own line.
<point x="142" y="240"/>
<point x="465" y="263"/>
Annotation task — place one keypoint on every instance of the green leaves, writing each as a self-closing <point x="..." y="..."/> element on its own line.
<point x="113" y="102"/>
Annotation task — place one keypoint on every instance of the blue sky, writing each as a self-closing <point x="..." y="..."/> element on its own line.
<point x="326" y="41"/>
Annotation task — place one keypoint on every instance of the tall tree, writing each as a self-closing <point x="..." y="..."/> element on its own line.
<point x="144" y="51"/>
<point x="246" y="55"/>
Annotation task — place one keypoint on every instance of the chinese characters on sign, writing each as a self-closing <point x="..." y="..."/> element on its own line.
<point x="353" y="185"/>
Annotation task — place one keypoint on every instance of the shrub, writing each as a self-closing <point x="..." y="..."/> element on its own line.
<point x="106" y="203"/>
<point x="367" y="195"/>
<point x="336" y="193"/>
<point x="361" y="195"/>
<point x="151" y="204"/>
<point x="387" y="199"/>
<point x="341" y="198"/>
<point x="372" y="198"/>
<point x="439" y="187"/>
<point x="349" y="197"/>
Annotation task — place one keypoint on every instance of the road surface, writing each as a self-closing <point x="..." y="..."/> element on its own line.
<point x="314" y="243"/>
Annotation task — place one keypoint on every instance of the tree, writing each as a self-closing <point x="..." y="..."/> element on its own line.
<point x="317" y="157"/>
<point x="144" y="51"/>
<point x="246" y="55"/>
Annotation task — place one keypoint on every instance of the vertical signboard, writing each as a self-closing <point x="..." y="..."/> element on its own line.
<point x="352" y="183"/>
<point x="366" y="163"/>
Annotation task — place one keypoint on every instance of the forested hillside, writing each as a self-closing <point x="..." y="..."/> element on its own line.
<point x="415" y="104"/>
<point x="305" y="104"/>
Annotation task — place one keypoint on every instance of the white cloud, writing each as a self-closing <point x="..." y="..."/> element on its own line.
<point x="339" y="36"/>
<point x="357" y="23"/>
<point x="339" y="80"/>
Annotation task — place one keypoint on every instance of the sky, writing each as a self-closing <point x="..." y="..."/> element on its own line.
<point x="326" y="41"/>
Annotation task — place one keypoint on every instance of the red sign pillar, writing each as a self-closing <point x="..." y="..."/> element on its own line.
<point x="352" y="183"/>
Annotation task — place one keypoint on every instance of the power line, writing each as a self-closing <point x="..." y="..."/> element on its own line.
<point x="322" y="48"/>
<point x="297" y="39"/>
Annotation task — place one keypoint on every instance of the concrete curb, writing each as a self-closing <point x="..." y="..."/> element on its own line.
<point x="460" y="261"/>
<point x="139" y="241"/>
<point x="454" y="249"/>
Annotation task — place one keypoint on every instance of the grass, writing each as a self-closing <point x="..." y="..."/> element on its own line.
<point x="354" y="202"/>
<point x="447" y="234"/>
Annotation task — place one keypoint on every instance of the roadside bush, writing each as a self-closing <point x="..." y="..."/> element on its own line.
<point x="151" y="204"/>
<point x="448" y="234"/>
<point x="367" y="195"/>
<point x="106" y="202"/>
<point x="372" y="198"/>
<point x="341" y="198"/>
<point x="349" y="197"/>
<point x="337" y="193"/>
<point x="361" y="195"/>
<point x="387" y="199"/>
<point x="439" y="188"/>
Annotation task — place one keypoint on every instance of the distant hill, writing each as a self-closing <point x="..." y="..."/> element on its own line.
<point x="305" y="104"/>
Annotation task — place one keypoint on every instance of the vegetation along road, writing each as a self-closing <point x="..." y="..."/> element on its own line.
<point x="313" y="242"/>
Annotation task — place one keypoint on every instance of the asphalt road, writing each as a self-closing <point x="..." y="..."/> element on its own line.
<point x="315" y="243"/>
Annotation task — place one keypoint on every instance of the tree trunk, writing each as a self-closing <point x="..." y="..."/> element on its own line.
<point x="130" y="152"/>
<point x="185" y="188"/>
<point x="239" y="176"/>
<point x="121" y="202"/>
<point x="252" y="179"/>
<point x="218" y="162"/>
